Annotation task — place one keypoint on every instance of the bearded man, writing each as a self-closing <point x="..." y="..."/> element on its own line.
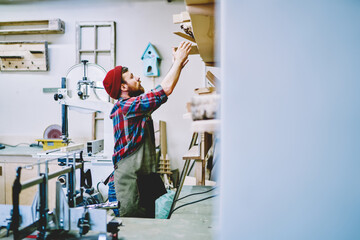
<point x="134" y="152"/>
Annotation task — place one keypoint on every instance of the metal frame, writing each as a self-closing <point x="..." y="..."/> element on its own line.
<point x="41" y="200"/>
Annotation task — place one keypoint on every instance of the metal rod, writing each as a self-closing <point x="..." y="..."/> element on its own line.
<point x="32" y="182"/>
<point x="39" y="162"/>
<point x="38" y="180"/>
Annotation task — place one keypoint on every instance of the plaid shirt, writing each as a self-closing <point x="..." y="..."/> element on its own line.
<point x="129" y="117"/>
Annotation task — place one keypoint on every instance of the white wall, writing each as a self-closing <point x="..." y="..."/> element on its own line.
<point x="26" y="111"/>
<point x="290" y="120"/>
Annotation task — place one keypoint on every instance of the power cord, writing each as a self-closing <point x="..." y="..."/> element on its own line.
<point x="195" y="194"/>
<point x="192" y="203"/>
<point x="8" y="145"/>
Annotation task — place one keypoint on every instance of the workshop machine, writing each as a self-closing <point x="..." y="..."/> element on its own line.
<point x="81" y="90"/>
<point x="72" y="213"/>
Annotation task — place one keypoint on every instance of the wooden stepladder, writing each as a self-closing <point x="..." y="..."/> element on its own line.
<point x="198" y="153"/>
<point x="164" y="164"/>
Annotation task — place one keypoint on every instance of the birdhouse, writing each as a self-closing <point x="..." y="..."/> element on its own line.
<point x="151" y="61"/>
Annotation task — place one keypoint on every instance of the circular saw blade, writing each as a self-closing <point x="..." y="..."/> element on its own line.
<point x="53" y="131"/>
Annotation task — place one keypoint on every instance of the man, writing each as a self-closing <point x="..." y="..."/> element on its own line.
<point x="134" y="151"/>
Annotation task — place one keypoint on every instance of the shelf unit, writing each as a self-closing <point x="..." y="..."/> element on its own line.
<point x="200" y="17"/>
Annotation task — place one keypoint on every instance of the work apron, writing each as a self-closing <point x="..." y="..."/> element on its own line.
<point x="139" y="163"/>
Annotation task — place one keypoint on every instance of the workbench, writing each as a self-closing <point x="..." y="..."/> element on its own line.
<point x="196" y="221"/>
<point x="10" y="159"/>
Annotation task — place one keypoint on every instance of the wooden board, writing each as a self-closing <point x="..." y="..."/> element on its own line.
<point x="24" y="56"/>
<point x="191" y="2"/>
<point x="32" y="27"/>
<point x="183" y="35"/>
<point x="163" y="139"/>
<point x="204" y="33"/>
<point x="194" y="50"/>
<point x="203" y="9"/>
<point x="211" y="77"/>
<point x="203" y="25"/>
<point x="193" y="153"/>
<point x="2" y="184"/>
<point x="181" y="17"/>
<point x="205" y="90"/>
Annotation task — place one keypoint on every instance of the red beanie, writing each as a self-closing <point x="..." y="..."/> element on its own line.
<point x="112" y="82"/>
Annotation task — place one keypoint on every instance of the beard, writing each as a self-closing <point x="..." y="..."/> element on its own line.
<point x="136" y="92"/>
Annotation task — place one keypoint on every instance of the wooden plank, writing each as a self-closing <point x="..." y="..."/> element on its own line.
<point x="203" y="9"/>
<point x="211" y="77"/>
<point x="5" y="57"/>
<point x="163" y="139"/>
<point x="200" y="173"/>
<point x="194" y="50"/>
<point x="203" y="26"/>
<point x="193" y="153"/>
<point x="181" y="17"/>
<point x="205" y="90"/>
<point x="2" y="184"/>
<point x="46" y="27"/>
<point x="210" y="126"/>
<point x="184" y="35"/>
<point x="192" y="2"/>
<point x="204" y="33"/>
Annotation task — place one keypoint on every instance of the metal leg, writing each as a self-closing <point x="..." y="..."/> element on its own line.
<point x="178" y="190"/>
<point x="15" y="219"/>
<point x="43" y="209"/>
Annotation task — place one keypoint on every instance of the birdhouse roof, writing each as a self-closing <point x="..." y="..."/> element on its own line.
<point x="150" y="52"/>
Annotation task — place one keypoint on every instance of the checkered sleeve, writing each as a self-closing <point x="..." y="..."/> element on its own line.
<point x="144" y="103"/>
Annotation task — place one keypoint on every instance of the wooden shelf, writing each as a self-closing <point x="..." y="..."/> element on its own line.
<point x="194" y="50"/>
<point x="183" y="35"/>
<point x="209" y="126"/>
<point x="181" y="17"/>
<point x="193" y="153"/>
<point x="32" y="27"/>
<point x="211" y="77"/>
<point x="203" y="24"/>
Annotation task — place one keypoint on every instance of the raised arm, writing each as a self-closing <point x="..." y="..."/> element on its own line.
<point x="180" y="60"/>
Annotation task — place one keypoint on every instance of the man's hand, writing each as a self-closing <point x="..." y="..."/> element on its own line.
<point x="180" y="56"/>
<point x="180" y="59"/>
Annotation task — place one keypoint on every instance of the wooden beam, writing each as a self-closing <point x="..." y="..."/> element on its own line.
<point x="183" y="35"/>
<point x="163" y="140"/>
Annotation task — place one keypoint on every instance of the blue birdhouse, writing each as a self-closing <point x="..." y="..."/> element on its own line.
<point x="151" y="61"/>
